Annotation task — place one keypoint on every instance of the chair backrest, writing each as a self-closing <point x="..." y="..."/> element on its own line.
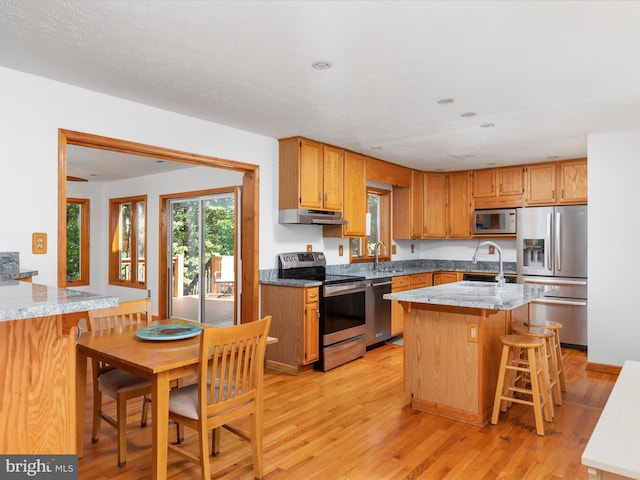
<point x="231" y="366"/>
<point x="130" y="312"/>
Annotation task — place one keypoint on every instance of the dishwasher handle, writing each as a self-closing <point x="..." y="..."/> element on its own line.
<point x="380" y="284"/>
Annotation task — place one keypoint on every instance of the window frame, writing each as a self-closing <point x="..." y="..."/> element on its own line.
<point x="85" y="242"/>
<point x="384" y="228"/>
<point x="115" y="263"/>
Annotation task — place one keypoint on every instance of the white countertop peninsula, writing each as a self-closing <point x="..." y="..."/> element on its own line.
<point x="38" y="356"/>
<point x="452" y="344"/>
<point x="612" y="450"/>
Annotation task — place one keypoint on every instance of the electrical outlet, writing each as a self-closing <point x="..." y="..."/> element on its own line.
<point x="472" y="332"/>
<point x="39" y="243"/>
<point x="309" y="248"/>
<point x="413" y="248"/>
<point x="393" y="249"/>
<point x="340" y="250"/>
<point x="492" y="249"/>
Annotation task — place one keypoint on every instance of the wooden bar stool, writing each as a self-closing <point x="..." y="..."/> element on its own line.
<point x="549" y="349"/>
<point x="533" y="363"/>
<point x="555" y="327"/>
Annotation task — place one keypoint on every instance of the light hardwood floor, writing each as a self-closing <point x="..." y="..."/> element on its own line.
<point x="354" y="423"/>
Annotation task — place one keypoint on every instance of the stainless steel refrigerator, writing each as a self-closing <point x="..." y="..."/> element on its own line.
<point x="551" y="244"/>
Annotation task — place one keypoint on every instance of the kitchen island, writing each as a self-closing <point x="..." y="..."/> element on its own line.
<point x="38" y="357"/>
<point x="452" y="344"/>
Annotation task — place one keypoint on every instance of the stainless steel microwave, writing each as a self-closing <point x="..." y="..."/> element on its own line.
<point x="495" y="222"/>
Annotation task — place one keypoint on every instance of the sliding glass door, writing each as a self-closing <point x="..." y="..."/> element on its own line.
<point x="202" y="262"/>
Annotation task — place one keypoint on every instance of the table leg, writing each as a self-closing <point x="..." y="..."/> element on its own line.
<point x="81" y="398"/>
<point x="160" y="425"/>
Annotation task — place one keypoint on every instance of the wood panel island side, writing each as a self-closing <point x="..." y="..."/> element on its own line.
<point x="452" y="344"/>
<point x="38" y="358"/>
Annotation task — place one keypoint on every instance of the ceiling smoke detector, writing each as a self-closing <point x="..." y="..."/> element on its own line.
<point x="322" y="65"/>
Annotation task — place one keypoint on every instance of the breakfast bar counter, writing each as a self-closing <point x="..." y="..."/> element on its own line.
<point x="37" y="353"/>
<point x="452" y="344"/>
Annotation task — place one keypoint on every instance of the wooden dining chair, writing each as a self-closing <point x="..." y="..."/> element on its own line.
<point x="114" y="382"/>
<point x="229" y="387"/>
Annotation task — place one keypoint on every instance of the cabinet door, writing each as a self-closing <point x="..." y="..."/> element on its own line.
<point x="399" y="284"/>
<point x="573" y="182"/>
<point x="484" y="183"/>
<point x="510" y="181"/>
<point x="459" y="205"/>
<point x="444" y="277"/>
<point x="417" y="200"/>
<point x="541" y="184"/>
<point x="355" y="195"/>
<point x="420" y="280"/>
<point x="311" y="334"/>
<point x="333" y="166"/>
<point x="311" y="174"/>
<point x="435" y="205"/>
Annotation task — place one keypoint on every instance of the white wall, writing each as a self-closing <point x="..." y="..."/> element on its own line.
<point x="614" y="247"/>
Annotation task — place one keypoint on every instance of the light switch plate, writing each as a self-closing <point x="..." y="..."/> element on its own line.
<point x="39" y="243"/>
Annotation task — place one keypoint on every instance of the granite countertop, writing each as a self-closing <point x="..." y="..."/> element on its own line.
<point x="20" y="300"/>
<point x="474" y="295"/>
<point x="390" y="269"/>
<point x="15" y="275"/>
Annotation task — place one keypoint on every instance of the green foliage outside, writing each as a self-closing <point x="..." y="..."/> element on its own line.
<point x="73" y="242"/>
<point x="219" y="227"/>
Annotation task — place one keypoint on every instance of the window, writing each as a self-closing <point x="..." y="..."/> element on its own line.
<point x="127" y="231"/>
<point x="77" y="241"/>
<point x="378" y="228"/>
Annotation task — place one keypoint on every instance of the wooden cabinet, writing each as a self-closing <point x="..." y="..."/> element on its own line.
<point x="440" y="278"/>
<point x="408" y="208"/>
<point x="295" y="324"/>
<point x="354" y="206"/>
<point x="399" y="284"/>
<point x="310" y="175"/>
<point x="558" y="183"/>
<point x="435" y="205"/>
<point x="420" y="280"/>
<point x="572" y="182"/>
<point x="459" y="204"/>
<point x="498" y="187"/>
<point x="311" y="330"/>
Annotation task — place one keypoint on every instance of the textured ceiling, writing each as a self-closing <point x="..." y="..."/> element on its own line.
<point x="545" y="73"/>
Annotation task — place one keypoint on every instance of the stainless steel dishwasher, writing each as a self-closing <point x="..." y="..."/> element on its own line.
<point x="377" y="311"/>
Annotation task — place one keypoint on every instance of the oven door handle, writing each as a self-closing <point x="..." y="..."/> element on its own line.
<point x="343" y="289"/>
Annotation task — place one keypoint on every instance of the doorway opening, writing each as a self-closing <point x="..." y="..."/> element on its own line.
<point x="247" y="222"/>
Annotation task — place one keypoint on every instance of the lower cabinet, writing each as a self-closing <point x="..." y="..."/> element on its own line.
<point x="295" y="317"/>
<point x="447" y="277"/>
<point x="399" y="284"/>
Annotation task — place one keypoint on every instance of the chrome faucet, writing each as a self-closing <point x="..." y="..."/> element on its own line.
<point x="500" y="276"/>
<point x="376" y="251"/>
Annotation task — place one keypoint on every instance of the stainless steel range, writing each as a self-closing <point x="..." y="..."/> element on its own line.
<point x="342" y="307"/>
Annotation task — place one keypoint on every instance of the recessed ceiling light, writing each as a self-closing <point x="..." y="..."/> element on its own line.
<point x="488" y="125"/>
<point x="322" y="65"/>
<point x="468" y="114"/>
<point x="553" y="157"/>
<point x="161" y="161"/>
<point x="446" y="101"/>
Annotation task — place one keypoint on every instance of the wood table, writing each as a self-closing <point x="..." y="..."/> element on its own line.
<point x="158" y="361"/>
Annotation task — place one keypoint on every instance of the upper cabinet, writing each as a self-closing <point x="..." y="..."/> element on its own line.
<point x="311" y="175"/>
<point x="408" y="208"/>
<point x="354" y="205"/>
<point x="435" y="205"/>
<point x="459" y="204"/>
<point x="557" y="183"/>
<point x="498" y="187"/>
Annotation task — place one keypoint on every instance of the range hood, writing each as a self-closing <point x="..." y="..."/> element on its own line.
<point x="311" y="217"/>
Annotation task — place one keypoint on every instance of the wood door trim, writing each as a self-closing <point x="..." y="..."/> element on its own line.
<point x="249" y="245"/>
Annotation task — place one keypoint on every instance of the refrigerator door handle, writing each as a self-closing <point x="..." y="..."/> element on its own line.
<point x="548" y="242"/>
<point x="558" y="240"/>
<point x="578" y="303"/>
<point x="555" y="281"/>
